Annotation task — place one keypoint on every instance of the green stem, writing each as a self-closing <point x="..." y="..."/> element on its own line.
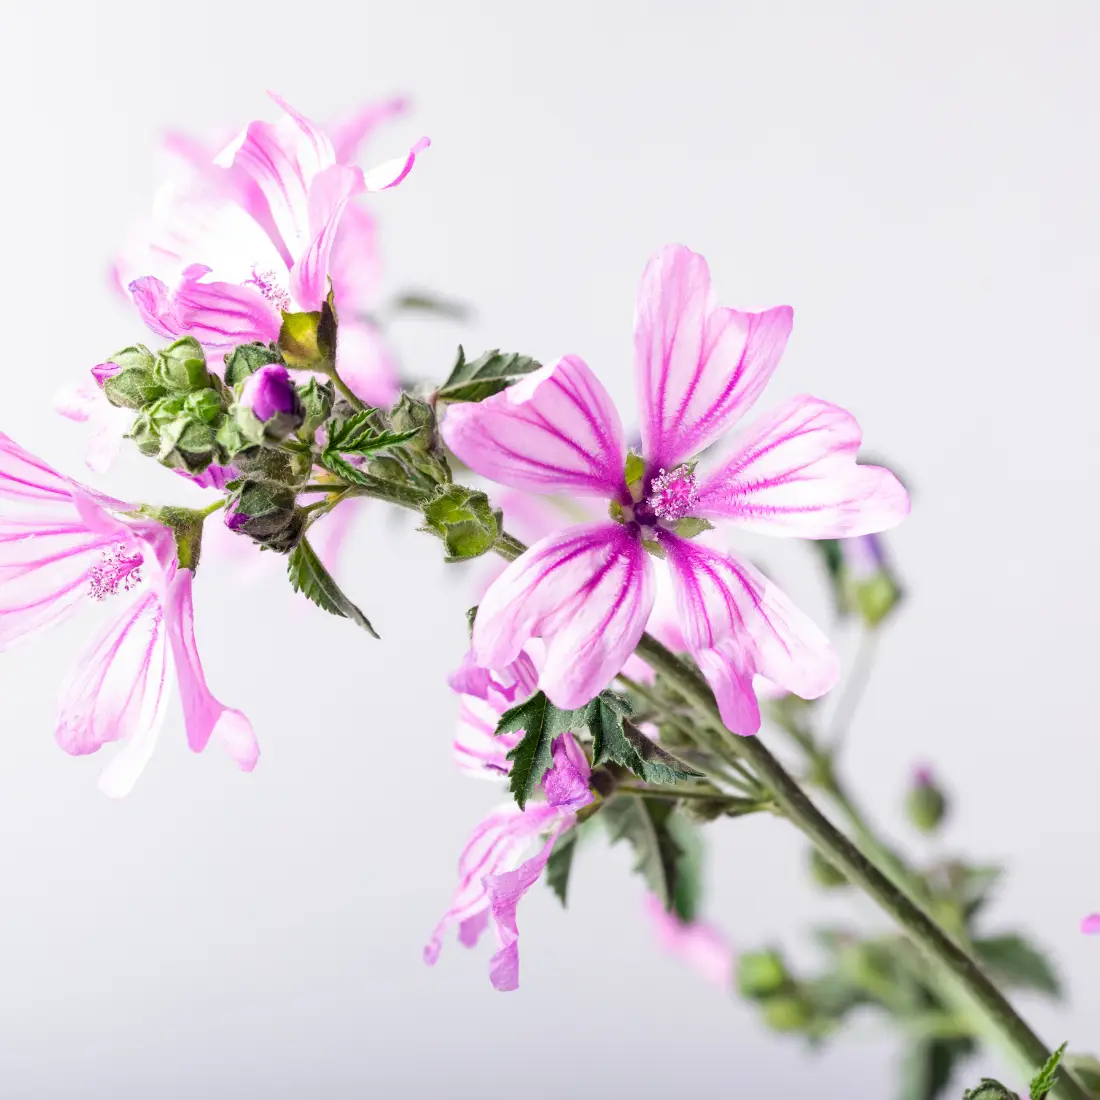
<point x="956" y="965"/>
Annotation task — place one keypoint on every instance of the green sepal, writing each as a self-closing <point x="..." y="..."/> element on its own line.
<point x="477" y="379"/>
<point x="309" y="576"/>
<point x="317" y="400"/>
<point x="308" y="340"/>
<point x="540" y="722"/>
<point x="615" y="738"/>
<point x="181" y="367"/>
<point x="246" y="359"/>
<point x="989" y="1089"/>
<point x="655" y="548"/>
<point x="464" y="519"/>
<point x="186" y="525"/>
<point x="692" y="526"/>
<point x="133" y="388"/>
<point x="633" y="473"/>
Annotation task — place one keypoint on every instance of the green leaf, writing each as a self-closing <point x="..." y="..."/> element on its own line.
<point x="691" y="526"/>
<point x="313" y="580"/>
<point x="560" y="863"/>
<point x="308" y="340"/>
<point x="359" y="435"/>
<point x="540" y="722"/>
<point x="476" y="379"/>
<point x="1047" y="1077"/>
<point x="990" y="1089"/>
<point x="1086" y="1069"/>
<point x="688" y="892"/>
<point x="1017" y="963"/>
<point x="464" y="519"/>
<point x="347" y="471"/>
<point x="644" y="824"/>
<point x="928" y="1067"/>
<point x="415" y="302"/>
<point x="615" y="738"/>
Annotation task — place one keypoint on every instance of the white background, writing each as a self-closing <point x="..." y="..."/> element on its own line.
<point x="918" y="180"/>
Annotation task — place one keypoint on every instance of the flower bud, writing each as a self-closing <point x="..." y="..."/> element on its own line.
<point x="990" y="1090"/>
<point x="464" y="519"/>
<point x="181" y="367"/>
<point x="317" y="400"/>
<point x="926" y="804"/>
<point x="761" y="974"/>
<point x="425" y="450"/>
<point x="872" y="589"/>
<point x="269" y="408"/>
<point x="126" y="379"/>
<point x="246" y="359"/>
<point x="788" y="1012"/>
<point x="101" y="372"/>
<point x="181" y="431"/>
<point x="266" y="513"/>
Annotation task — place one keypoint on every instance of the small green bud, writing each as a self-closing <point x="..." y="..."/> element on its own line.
<point x="317" y="400"/>
<point x="181" y="366"/>
<point x="867" y="965"/>
<point x="761" y="974"/>
<point x="465" y="519"/>
<point x="135" y="357"/>
<point x="133" y="388"/>
<point x="188" y="443"/>
<point x="411" y="414"/>
<point x="145" y="434"/>
<point x="824" y="873"/>
<point x="266" y="464"/>
<point x="990" y="1090"/>
<point x="926" y="804"/>
<point x="246" y="359"/>
<point x="266" y="513"/>
<point x="788" y="1012"/>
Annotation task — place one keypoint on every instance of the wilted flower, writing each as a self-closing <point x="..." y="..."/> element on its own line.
<point x="588" y="591"/>
<point x="63" y="545"/>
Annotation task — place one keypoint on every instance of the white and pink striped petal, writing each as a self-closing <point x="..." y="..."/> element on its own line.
<point x="587" y="592"/>
<point x="697" y="366"/>
<point x="795" y="473"/>
<point x="555" y="431"/>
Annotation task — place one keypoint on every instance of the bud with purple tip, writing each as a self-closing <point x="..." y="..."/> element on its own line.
<point x="926" y="804"/>
<point x="127" y="380"/>
<point x="269" y="408"/>
<point x="266" y="513"/>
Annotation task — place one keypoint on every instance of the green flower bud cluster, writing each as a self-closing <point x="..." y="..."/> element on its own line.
<point x="762" y="976"/>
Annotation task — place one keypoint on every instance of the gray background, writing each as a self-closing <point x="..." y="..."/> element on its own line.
<point x="919" y="181"/>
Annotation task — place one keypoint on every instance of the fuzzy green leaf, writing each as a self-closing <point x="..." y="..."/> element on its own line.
<point x="540" y="722"/>
<point x="1018" y="964"/>
<point x="417" y="302"/>
<point x="929" y="1065"/>
<point x="1047" y="1077"/>
<point x="560" y="863"/>
<point x="464" y="519"/>
<point x="477" y="379"/>
<point x="309" y="576"/>
<point x="616" y="738"/>
<point x="359" y="434"/>
<point x="644" y="824"/>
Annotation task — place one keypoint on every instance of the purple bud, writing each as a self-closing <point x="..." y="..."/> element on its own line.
<point x="863" y="555"/>
<point x="213" y="477"/>
<point x="269" y="392"/>
<point x="102" y="372"/>
<point x="922" y="776"/>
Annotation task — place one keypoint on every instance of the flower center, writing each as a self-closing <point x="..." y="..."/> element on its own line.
<point x="267" y="282"/>
<point x="118" y="569"/>
<point x="672" y="493"/>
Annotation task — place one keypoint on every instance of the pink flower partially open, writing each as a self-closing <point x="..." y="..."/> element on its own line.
<point x="702" y="946"/>
<point x="63" y="546"/>
<point x="588" y="591"/>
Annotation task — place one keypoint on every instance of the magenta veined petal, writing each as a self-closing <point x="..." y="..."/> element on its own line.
<point x="737" y="623"/>
<point x="587" y="592"/>
<point x="700" y="945"/>
<point x="697" y="366"/>
<point x="794" y="472"/>
<point x="221" y="315"/>
<point x="566" y="782"/>
<point x="349" y="134"/>
<point x="555" y="431"/>
<point x="392" y="172"/>
<point x="355" y="263"/>
<point x="203" y="715"/>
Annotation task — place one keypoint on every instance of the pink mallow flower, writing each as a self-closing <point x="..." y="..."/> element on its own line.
<point x="259" y="231"/>
<point x="702" y="946"/>
<point x="587" y="591"/>
<point x="493" y="872"/>
<point x="1090" y="925"/>
<point x="63" y="546"/>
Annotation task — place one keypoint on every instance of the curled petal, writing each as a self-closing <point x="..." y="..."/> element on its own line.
<point x="737" y="623"/>
<point x="154" y="302"/>
<point x="697" y="366"/>
<point x="587" y="592"/>
<point x="349" y="135"/>
<point x="700" y="945"/>
<point x="566" y="783"/>
<point x="554" y="431"/>
<point x="119" y="691"/>
<point x="203" y="715"/>
<point x="391" y="172"/>
<point x="795" y="473"/>
<point x="504" y="687"/>
<point x="497" y="844"/>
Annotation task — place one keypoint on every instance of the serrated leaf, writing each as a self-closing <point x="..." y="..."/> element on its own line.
<point x="540" y="721"/>
<point x="477" y="379"/>
<point x="1017" y="963"/>
<point x="309" y="576"/>
<point x="346" y="470"/>
<point x="1046" y="1078"/>
<point x="616" y="738"/>
<point x="929" y="1064"/>
<point x="358" y="434"/>
<point x="644" y="824"/>
<point x="560" y="863"/>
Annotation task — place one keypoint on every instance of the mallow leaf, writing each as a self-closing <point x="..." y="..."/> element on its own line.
<point x="540" y="721"/>
<point x="358" y="434"/>
<point x="560" y="864"/>
<point x="476" y="379"/>
<point x="615" y="738"/>
<point x="644" y="824"/>
<point x="1016" y="963"/>
<point x="929" y="1065"/>
<point x="309" y="576"/>
<point x="1047" y="1077"/>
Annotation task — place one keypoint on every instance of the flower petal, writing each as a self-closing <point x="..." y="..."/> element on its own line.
<point x="587" y="591"/>
<point x="283" y="158"/>
<point x="329" y="195"/>
<point x="795" y="473"/>
<point x="697" y="366"/>
<point x="348" y="135"/>
<point x="119" y="691"/>
<point x="700" y="945"/>
<point x="365" y="362"/>
<point x="391" y="172"/>
<point x="737" y="623"/>
<point x="221" y="315"/>
<point x="566" y="782"/>
<point x="554" y="431"/>
<point x="1090" y="925"/>
<point x="203" y="715"/>
<point x="355" y="264"/>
